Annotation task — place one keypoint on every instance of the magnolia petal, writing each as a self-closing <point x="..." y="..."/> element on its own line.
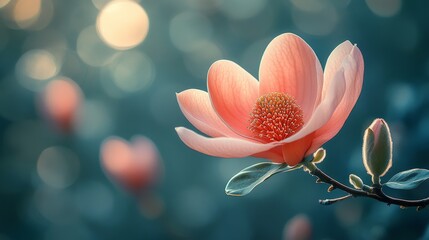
<point x="290" y="66"/>
<point x="334" y="63"/>
<point x="233" y="93"/>
<point x="197" y="108"/>
<point x="294" y="152"/>
<point x="324" y="111"/>
<point x="275" y="154"/>
<point x="225" y="147"/>
<point x="353" y="71"/>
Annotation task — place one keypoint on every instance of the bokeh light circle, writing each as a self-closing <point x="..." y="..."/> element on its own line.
<point x="122" y="24"/>
<point x="34" y="67"/>
<point x="39" y="64"/>
<point x="188" y="30"/>
<point x="132" y="71"/>
<point x="129" y="72"/>
<point x="58" y="167"/>
<point x="29" y="15"/>
<point x="56" y="206"/>
<point x="4" y="3"/>
<point x="91" y="49"/>
<point x="25" y="13"/>
<point x="384" y="8"/>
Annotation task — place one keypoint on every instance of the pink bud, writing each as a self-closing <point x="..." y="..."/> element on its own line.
<point x="298" y="228"/>
<point x="60" y="101"/>
<point x="134" y="166"/>
<point x="377" y="149"/>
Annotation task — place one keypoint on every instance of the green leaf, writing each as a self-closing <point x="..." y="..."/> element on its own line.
<point x="247" y="179"/>
<point x="408" y="179"/>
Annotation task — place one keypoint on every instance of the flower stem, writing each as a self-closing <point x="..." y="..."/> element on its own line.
<point x="375" y="192"/>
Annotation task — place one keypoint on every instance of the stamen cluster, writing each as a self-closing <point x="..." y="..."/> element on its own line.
<point x="275" y="117"/>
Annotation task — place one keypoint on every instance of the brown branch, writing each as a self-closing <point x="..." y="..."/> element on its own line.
<point x="375" y="192"/>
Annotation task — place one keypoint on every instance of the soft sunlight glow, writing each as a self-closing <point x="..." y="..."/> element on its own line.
<point x="122" y="24"/>
<point x="384" y="8"/>
<point x="58" y="167"/>
<point x="39" y="64"/>
<point x="3" y="3"/>
<point x="25" y="12"/>
<point x="35" y="67"/>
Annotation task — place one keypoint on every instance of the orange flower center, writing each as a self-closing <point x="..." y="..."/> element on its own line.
<point x="275" y="117"/>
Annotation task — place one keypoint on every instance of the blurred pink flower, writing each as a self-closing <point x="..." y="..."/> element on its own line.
<point x="293" y="110"/>
<point x="134" y="166"/>
<point x="60" y="102"/>
<point x="298" y="228"/>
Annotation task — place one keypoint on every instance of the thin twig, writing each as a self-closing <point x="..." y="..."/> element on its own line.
<point x="374" y="192"/>
<point x="334" y="200"/>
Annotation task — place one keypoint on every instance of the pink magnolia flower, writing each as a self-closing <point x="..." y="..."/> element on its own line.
<point x="60" y="102"/>
<point x="135" y="165"/>
<point x="289" y="113"/>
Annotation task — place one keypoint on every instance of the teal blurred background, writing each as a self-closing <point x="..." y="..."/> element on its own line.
<point x="131" y="91"/>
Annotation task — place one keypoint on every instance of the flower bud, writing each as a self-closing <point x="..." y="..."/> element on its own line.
<point x="377" y="149"/>
<point x="355" y="181"/>
<point x="319" y="155"/>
